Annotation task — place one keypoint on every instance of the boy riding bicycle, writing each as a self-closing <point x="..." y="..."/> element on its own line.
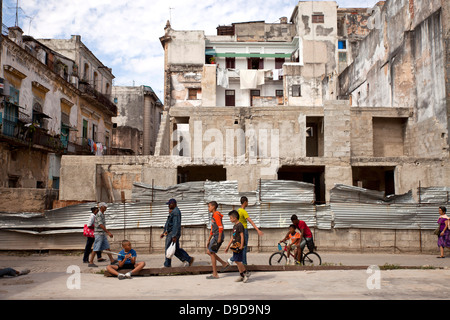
<point x="293" y="244"/>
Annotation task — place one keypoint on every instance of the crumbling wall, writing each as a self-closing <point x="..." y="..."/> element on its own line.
<point x="401" y="64"/>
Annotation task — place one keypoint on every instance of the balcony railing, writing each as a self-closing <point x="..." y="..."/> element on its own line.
<point x="97" y="97"/>
<point x="18" y="133"/>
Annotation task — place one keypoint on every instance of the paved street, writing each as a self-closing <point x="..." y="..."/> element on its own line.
<point x="65" y="277"/>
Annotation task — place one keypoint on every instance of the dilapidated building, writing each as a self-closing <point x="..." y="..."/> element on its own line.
<point x="46" y="112"/>
<point x="352" y="96"/>
<point x="137" y="124"/>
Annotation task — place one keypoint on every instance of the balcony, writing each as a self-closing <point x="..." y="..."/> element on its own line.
<point x="99" y="99"/>
<point x="19" y="135"/>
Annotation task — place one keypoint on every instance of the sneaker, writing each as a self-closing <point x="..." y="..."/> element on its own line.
<point x="121" y="276"/>
<point x="239" y="279"/>
<point x="185" y="264"/>
<point x="92" y="265"/>
<point x="128" y="275"/>
<point x="192" y="261"/>
<point x="245" y="278"/>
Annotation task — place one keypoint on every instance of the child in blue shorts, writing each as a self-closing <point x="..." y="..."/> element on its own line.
<point x="236" y="244"/>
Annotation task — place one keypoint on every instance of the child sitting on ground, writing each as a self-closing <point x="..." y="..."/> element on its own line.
<point x="293" y="244"/>
<point x="127" y="260"/>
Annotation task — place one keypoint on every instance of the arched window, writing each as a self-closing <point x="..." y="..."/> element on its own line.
<point x="96" y="86"/>
<point x="86" y="72"/>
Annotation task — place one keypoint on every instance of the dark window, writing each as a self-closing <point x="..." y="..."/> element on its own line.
<point x="255" y="63"/>
<point x="279" y="63"/>
<point x="279" y="93"/>
<point x="230" y="98"/>
<point x="230" y="63"/>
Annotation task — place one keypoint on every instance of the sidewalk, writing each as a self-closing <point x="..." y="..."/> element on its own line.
<point x="59" y="262"/>
<point x="66" y="277"/>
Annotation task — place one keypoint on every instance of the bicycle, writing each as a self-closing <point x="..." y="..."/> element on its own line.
<point x="280" y="257"/>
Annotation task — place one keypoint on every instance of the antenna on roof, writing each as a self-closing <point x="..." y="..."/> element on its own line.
<point x="17" y="13"/>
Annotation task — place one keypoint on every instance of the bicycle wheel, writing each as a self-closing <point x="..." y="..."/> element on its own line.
<point x="277" y="259"/>
<point x="311" y="259"/>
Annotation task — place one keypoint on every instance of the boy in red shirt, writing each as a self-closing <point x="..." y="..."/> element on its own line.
<point x="215" y="238"/>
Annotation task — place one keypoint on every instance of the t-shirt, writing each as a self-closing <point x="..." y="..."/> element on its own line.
<point x="307" y="232"/>
<point x="238" y="228"/>
<point x="99" y="219"/>
<point x="294" y="237"/>
<point x="128" y="261"/>
<point x="91" y="220"/>
<point x="243" y="215"/>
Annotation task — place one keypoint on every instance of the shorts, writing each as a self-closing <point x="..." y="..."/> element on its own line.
<point x="126" y="266"/>
<point x="101" y="243"/>
<point x="214" y="246"/>
<point x="304" y="241"/>
<point x="237" y="257"/>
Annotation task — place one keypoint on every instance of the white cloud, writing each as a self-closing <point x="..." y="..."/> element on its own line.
<point x="124" y="35"/>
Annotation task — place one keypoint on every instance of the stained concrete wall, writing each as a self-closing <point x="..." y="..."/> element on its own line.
<point x="401" y="63"/>
<point x="186" y="47"/>
<point x="16" y="200"/>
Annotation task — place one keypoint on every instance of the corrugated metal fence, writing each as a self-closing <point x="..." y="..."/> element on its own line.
<point x="271" y="206"/>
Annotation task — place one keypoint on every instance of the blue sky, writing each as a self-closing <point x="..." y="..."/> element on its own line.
<point x="124" y="34"/>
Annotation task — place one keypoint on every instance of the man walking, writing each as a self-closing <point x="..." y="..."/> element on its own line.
<point x="172" y="231"/>
<point x="101" y="241"/>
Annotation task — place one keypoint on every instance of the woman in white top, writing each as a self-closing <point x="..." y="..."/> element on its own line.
<point x="90" y="240"/>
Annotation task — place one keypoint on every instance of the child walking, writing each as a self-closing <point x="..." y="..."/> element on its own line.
<point x="215" y="239"/>
<point x="237" y="243"/>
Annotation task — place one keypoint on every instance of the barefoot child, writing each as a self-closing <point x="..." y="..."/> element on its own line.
<point x="127" y="260"/>
<point x="215" y="238"/>
<point x="237" y="243"/>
